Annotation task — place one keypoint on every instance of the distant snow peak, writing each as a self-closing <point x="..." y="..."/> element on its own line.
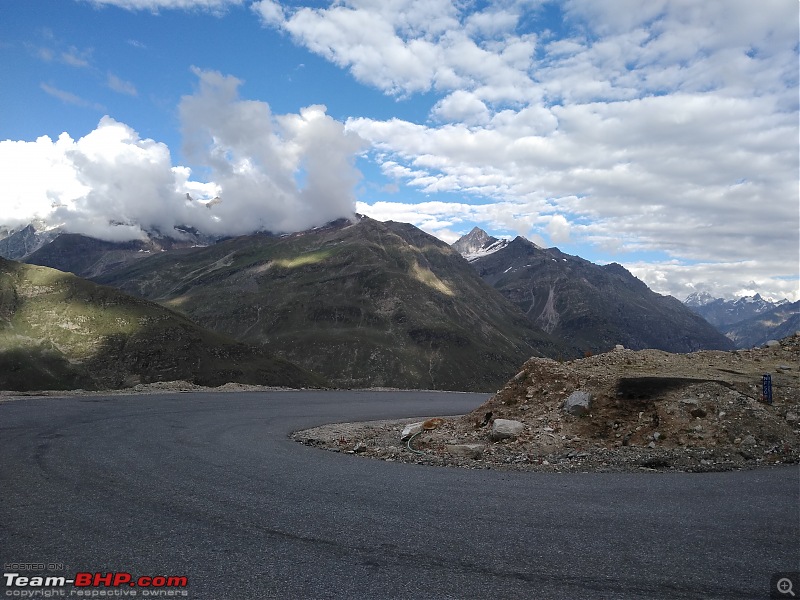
<point x="491" y="248"/>
<point x="699" y="299"/>
<point x="478" y="243"/>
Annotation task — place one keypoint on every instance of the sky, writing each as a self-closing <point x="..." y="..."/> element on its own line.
<point x="662" y="135"/>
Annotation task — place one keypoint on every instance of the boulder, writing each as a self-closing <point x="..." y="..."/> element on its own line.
<point x="410" y="429"/>
<point x="506" y="428"/>
<point x="578" y="403"/>
<point x="465" y="450"/>
<point x="772" y="344"/>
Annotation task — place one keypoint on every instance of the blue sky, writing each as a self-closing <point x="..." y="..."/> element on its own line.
<point x="659" y="134"/>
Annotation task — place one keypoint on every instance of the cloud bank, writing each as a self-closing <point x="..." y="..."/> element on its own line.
<point x="272" y="172"/>
<point x="665" y="128"/>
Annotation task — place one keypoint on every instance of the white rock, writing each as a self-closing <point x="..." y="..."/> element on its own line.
<point x="619" y="348"/>
<point x="506" y="428"/>
<point x="772" y="343"/>
<point x="578" y="403"/>
<point x="410" y="430"/>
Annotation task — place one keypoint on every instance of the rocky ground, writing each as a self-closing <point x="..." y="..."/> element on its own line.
<point x="647" y="410"/>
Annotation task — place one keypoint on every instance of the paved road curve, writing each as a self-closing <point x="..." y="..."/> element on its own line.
<point x="209" y="486"/>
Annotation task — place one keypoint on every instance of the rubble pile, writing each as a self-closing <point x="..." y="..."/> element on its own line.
<point x="619" y="411"/>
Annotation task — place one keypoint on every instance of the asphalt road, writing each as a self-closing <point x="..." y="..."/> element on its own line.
<point x="209" y="486"/>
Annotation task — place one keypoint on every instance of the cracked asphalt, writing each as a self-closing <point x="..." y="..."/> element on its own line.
<point x="211" y="487"/>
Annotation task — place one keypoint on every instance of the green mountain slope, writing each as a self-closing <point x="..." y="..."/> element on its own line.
<point x="364" y="304"/>
<point x="61" y="332"/>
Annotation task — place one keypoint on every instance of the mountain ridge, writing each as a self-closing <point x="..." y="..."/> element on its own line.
<point x="363" y="303"/>
<point x="593" y="307"/>
<point x="58" y="331"/>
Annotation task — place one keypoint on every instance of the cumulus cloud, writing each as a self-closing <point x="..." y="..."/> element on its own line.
<point x="665" y="127"/>
<point x="272" y="172"/>
<point x="284" y="172"/>
<point x="408" y="46"/>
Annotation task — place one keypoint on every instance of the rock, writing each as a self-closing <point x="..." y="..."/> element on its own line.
<point x="748" y="440"/>
<point x="578" y="403"/>
<point x="506" y="428"/>
<point x="619" y="348"/>
<point x="689" y="401"/>
<point x="410" y="429"/>
<point x="790" y="416"/>
<point x="656" y="436"/>
<point x="698" y="413"/>
<point x="360" y="447"/>
<point x="432" y="424"/>
<point x="772" y="344"/>
<point x="465" y="450"/>
<point x="651" y="445"/>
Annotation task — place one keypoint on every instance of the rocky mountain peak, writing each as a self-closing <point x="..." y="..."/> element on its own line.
<point x="699" y="299"/>
<point x="478" y="243"/>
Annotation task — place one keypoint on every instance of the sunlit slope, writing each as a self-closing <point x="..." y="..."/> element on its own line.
<point x="58" y="331"/>
<point x="364" y="304"/>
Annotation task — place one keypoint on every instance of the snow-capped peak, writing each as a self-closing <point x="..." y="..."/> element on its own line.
<point x="699" y="299"/>
<point x="478" y="243"/>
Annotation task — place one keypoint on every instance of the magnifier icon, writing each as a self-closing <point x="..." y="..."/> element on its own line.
<point x="784" y="586"/>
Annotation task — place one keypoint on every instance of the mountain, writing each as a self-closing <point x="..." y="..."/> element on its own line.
<point x="697" y="299"/>
<point x="774" y="323"/>
<point x="89" y="257"/>
<point x="592" y="307"/>
<point x="58" y="331"/>
<point x="16" y="244"/>
<point x="86" y="256"/>
<point x="478" y="243"/>
<point x="363" y="303"/>
<point x="722" y="313"/>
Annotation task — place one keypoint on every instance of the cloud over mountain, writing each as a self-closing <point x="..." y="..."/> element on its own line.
<point x="272" y="172"/>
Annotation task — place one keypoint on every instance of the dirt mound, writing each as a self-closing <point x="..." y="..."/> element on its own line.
<point x="648" y="409"/>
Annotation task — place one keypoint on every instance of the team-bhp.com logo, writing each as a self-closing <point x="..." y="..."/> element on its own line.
<point x="94" y="585"/>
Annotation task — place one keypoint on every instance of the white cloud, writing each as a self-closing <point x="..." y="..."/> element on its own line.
<point x="76" y="58"/>
<point x="281" y="173"/>
<point x="215" y="6"/>
<point x="68" y="97"/>
<point x="408" y="46"/>
<point x="121" y="86"/>
<point x="558" y="229"/>
<point x="461" y="106"/>
<point x="278" y="173"/>
<point x="730" y="279"/>
<point x="666" y="127"/>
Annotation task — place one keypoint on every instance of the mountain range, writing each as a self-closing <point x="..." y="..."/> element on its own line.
<point x="356" y="303"/>
<point x="750" y="320"/>
<point x="590" y="307"/>
<point x="362" y="303"/>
